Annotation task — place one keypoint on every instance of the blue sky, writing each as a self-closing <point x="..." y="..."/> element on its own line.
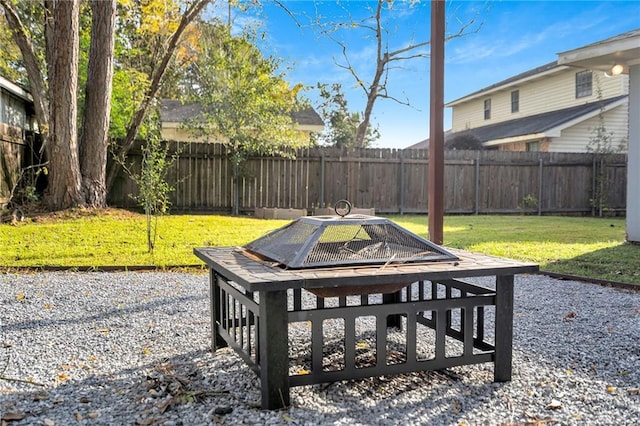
<point x="515" y="36"/>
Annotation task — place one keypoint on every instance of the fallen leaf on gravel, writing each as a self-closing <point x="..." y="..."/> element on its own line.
<point x="84" y="400"/>
<point x="287" y="419"/>
<point x="49" y="422"/>
<point x="554" y="405"/>
<point x="571" y="315"/>
<point x="93" y="415"/>
<point x="633" y="391"/>
<point x="162" y="407"/>
<point x="11" y="416"/>
<point x="79" y="417"/>
<point x="20" y="296"/>
<point x="611" y="389"/>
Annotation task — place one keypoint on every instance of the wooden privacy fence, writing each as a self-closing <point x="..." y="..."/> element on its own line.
<point x="391" y="181"/>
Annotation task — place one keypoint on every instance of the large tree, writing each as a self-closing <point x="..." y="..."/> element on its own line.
<point x="47" y="38"/>
<point x="97" y="104"/>
<point x="64" y="189"/>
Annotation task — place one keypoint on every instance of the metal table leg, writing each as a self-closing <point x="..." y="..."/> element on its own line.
<point x="504" y="328"/>
<point x="217" y="341"/>
<point x="274" y="349"/>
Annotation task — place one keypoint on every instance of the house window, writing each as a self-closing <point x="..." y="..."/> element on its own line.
<point x="515" y="101"/>
<point x="12" y="111"/>
<point x="487" y="109"/>
<point x="583" y="84"/>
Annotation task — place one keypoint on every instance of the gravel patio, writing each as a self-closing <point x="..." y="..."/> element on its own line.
<point x="132" y="348"/>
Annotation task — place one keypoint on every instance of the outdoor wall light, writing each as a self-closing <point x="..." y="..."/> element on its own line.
<point x="616" y="69"/>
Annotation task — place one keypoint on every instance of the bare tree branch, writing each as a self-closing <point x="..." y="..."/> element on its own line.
<point x="377" y="88"/>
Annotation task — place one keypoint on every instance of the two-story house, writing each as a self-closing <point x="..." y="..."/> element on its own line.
<point x="552" y="108"/>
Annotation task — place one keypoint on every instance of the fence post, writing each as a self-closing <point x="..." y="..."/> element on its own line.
<point x="541" y="161"/>
<point x="476" y="201"/>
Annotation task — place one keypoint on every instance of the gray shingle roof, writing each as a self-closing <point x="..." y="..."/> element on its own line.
<point x="175" y="111"/>
<point x="531" y="125"/>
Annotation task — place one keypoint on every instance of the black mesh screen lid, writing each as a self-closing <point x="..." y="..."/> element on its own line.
<point x="321" y="241"/>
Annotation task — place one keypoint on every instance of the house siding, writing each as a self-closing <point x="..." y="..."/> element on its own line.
<point x="576" y="138"/>
<point x="550" y="92"/>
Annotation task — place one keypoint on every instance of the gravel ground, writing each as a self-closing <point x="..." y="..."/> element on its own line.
<point x="132" y="349"/>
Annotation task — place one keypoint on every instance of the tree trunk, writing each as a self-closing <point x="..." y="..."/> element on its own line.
<point x="95" y="126"/>
<point x="64" y="189"/>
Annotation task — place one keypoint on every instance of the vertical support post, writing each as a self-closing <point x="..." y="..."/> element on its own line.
<point x="633" y="156"/>
<point x="402" y="184"/>
<point x="322" y="177"/>
<point x="441" y="333"/>
<point x="436" y="118"/>
<point x="214" y="309"/>
<point x="274" y="349"/>
<point x="504" y="328"/>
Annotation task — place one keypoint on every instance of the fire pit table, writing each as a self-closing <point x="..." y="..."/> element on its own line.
<point x="396" y="301"/>
<point x="253" y="303"/>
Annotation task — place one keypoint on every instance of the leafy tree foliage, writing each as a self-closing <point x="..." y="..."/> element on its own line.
<point x="150" y="35"/>
<point x="246" y="103"/>
<point x="341" y="124"/>
<point x="464" y="141"/>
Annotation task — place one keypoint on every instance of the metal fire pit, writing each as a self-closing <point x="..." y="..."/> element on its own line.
<point x="344" y="240"/>
<point x="254" y="302"/>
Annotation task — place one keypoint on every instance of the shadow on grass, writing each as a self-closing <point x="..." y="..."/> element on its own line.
<point x="619" y="264"/>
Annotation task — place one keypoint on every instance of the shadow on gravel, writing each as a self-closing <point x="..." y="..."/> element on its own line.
<point x="113" y="313"/>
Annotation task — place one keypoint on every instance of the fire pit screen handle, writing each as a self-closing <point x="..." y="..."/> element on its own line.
<point x="342" y="208"/>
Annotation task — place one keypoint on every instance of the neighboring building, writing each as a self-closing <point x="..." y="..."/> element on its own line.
<point x="174" y="114"/>
<point x="16" y="113"/>
<point x="619" y="54"/>
<point x="553" y="108"/>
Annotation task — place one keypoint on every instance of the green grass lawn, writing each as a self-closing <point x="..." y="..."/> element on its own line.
<point x="591" y="247"/>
